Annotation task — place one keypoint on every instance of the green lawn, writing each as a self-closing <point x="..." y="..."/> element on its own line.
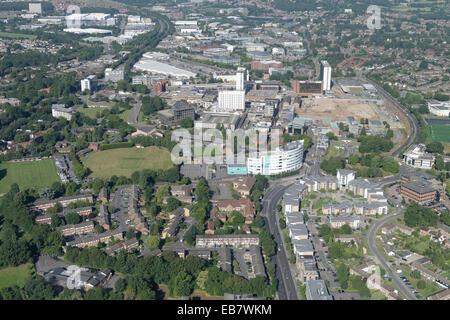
<point x="321" y="201"/>
<point x="92" y="112"/>
<point x="15" y="275"/>
<point x="125" y="115"/>
<point x="123" y="162"/>
<point x="35" y="174"/>
<point x="440" y="132"/>
<point x="9" y="35"/>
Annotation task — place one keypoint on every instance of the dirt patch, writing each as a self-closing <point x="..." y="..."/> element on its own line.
<point x="336" y="109"/>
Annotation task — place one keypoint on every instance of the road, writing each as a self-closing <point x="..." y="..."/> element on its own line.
<point x="134" y="115"/>
<point x="286" y="286"/>
<point x="371" y="237"/>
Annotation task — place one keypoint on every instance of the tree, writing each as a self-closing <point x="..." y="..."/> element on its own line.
<point x="282" y="223"/>
<point x="258" y="222"/>
<point x="421" y="284"/>
<point x="440" y="164"/>
<point x="435" y="147"/>
<point x="14" y="253"/>
<point x="153" y="242"/>
<point x="72" y="218"/>
<point x="38" y="289"/>
<point x="189" y="236"/>
<point x="331" y="136"/>
<point x="47" y="193"/>
<point x="342" y="274"/>
<point x="332" y="164"/>
<point x="267" y="243"/>
<point x="96" y="294"/>
<point x="55" y="220"/>
<point x="120" y="285"/>
<point x="183" y="284"/>
<point x="353" y="159"/>
<point x="345" y="229"/>
<point x="10" y="293"/>
<point x="187" y="123"/>
<point x="419" y="216"/>
<point x="415" y="274"/>
<point x="172" y="204"/>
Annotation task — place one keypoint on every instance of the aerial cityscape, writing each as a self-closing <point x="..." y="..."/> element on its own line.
<point x="224" y="150"/>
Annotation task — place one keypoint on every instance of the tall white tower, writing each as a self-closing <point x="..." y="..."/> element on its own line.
<point x="240" y="81"/>
<point x="85" y="84"/>
<point x="325" y="75"/>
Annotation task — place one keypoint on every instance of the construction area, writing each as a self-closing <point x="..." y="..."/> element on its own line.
<point x="337" y="109"/>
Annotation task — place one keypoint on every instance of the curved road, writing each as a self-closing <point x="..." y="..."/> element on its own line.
<point x="286" y="285"/>
<point x="371" y="235"/>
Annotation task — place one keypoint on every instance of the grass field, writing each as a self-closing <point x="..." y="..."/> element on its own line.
<point x="440" y="132"/>
<point x="35" y="174"/>
<point x="9" y="35"/>
<point x="15" y="275"/>
<point x="92" y="112"/>
<point x="123" y="162"/>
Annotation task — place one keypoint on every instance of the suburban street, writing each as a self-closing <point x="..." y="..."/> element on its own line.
<point x="371" y="237"/>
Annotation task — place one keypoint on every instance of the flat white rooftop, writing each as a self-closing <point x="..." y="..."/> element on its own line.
<point x="153" y="66"/>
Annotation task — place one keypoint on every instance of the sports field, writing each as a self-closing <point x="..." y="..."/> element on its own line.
<point x="9" y="35"/>
<point x="123" y="162"/>
<point x="92" y="112"/>
<point x="36" y="174"/>
<point x="12" y="276"/>
<point x="440" y="132"/>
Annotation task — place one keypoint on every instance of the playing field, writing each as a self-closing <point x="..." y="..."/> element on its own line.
<point x="12" y="276"/>
<point x="123" y="162"/>
<point x="92" y="113"/>
<point x="9" y="35"/>
<point x="33" y="174"/>
<point x="440" y="132"/>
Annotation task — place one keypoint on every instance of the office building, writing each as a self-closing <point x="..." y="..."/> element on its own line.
<point x="325" y="75"/>
<point x="232" y="100"/>
<point x="182" y="110"/>
<point x="113" y="75"/>
<point x="284" y="159"/>
<point x="60" y="110"/>
<point x="416" y="156"/>
<point x="308" y="88"/>
<point x="240" y="81"/>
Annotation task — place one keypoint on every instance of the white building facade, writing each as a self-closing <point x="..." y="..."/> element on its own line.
<point x="325" y="75"/>
<point x="232" y="100"/>
<point x="285" y="159"/>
